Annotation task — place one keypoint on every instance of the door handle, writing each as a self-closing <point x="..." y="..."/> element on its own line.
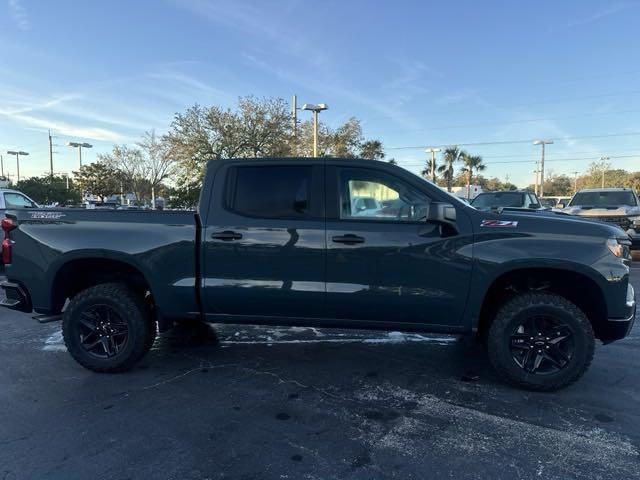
<point x="226" y="236"/>
<point x="349" y="239"/>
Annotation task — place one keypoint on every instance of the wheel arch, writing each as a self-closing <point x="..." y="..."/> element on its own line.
<point x="82" y="270"/>
<point x="577" y="286"/>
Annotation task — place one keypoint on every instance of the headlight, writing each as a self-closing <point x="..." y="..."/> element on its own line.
<point x="620" y="248"/>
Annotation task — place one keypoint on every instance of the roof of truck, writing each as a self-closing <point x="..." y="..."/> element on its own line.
<point x="619" y="189"/>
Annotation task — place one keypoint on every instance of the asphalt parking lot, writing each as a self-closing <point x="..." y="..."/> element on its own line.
<point x="298" y="403"/>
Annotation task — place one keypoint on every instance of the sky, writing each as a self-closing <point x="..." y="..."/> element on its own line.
<point x="489" y="76"/>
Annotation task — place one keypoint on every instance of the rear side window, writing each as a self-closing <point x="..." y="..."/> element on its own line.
<point x="271" y="191"/>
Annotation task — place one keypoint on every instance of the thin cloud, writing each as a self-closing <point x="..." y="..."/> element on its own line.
<point x="19" y="15"/>
<point x="598" y="15"/>
<point x="68" y="129"/>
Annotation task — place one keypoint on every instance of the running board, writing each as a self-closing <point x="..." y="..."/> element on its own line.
<point x="47" y="318"/>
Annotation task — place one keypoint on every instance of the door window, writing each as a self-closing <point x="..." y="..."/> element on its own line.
<point x="16" y="200"/>
<point x="272" y="191"/>
<point x="377" y="196"/>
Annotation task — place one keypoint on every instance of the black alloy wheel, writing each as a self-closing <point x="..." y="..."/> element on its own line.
<point x="103" y="333"/>
<point x="542" y="345"/>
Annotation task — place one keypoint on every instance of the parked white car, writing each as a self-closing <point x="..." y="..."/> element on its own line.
<point x="12" y="199"/>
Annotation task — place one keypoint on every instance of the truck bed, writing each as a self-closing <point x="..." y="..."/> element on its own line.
<point x="160" y="245"/>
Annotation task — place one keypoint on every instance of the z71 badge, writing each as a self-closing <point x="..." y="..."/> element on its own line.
<point x="499" y="223"/>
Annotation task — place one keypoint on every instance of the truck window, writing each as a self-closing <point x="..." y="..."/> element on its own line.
<point x="370" y="195"/>
<point x="272" y="191"/>
<point x="15" y="200"/>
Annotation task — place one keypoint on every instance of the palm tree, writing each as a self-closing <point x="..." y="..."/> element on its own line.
<point x="451" y="156"/>
<point x="430" y="167"/>
<point x="471" y="163"/>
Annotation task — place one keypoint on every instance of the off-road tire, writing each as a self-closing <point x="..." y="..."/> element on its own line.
<point x="130" y="307"/>
<point x="508" y="318"/>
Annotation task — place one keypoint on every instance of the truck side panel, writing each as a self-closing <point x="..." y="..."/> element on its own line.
<point x="161" y="246"/>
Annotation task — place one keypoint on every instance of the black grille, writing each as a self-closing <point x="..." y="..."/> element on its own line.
<point x="624" y="222"/>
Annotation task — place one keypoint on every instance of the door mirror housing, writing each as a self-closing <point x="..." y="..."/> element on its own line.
<point x="442" y="213"/>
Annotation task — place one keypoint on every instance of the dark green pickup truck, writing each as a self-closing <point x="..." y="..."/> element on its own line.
<point x="291" y="242"/>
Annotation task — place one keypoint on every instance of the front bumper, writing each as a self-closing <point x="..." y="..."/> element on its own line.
<point x="17" y="297"/>
<point x="618" y="328"/>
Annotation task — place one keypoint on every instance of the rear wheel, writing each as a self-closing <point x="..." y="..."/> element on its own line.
<point x="540" y="341"/>
<point x="107" y="328"/>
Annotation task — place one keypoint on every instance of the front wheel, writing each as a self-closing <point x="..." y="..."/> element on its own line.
<point x="540" y="341"/>
<point x="107" y="328"/>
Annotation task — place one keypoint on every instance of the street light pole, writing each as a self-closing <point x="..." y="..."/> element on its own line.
<point x="604" y="161"/>
<point x="315" y="109"/>
<point x="79" y="146"/>
<point x="543" y="143"/>
<point x="433" y="152"/>
<point x="17" y="154"/>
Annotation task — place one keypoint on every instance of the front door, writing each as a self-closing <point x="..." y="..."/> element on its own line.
<point x="264" y="245"/>
<point x="384" y="261"/>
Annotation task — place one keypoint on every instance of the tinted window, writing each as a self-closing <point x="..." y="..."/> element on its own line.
<point x="603" y="199"/>
<point x="15" y="200"/>
<point x="498" y="199"/>
<point x="371" y="195"/>
<point x="272" y="191"/>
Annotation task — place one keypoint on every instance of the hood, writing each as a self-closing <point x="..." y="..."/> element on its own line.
<point x="524" y="222"/>
<point x="613" y="211"/>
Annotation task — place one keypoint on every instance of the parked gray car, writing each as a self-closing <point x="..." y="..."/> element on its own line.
<point x="614" y="205"/>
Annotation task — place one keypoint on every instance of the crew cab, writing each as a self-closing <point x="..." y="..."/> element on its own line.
<point x="281" y="242"/>
<point x="615" y="205"/>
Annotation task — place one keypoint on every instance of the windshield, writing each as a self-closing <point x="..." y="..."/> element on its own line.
<point x="603" y="199"/>
<point x="498" y="199"/>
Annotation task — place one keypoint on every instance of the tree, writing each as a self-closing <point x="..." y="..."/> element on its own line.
<point x="258" y="127"/>
<point x="48" y="190"/>
<point x="372" y="150"/>
<point x="128" y="170"/>
<point x="430" y="169"/>
<point x="451" y="156"/>
<point x="159" y="165"/>
<point x="471" y="163"/>
<point x="99" y="179"/>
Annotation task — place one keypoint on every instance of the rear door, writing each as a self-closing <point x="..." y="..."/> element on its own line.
<point x="391" y="265"/>
<point x="264" y="241"/>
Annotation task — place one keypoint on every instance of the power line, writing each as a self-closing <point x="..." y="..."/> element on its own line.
<point x="534" y="161"/>
<point x="514" y="122"/>
<point x="521" y="105"/>
<point x="511" y="142"/>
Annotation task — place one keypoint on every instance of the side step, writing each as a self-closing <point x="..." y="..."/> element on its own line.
<point x="47" y="318"/>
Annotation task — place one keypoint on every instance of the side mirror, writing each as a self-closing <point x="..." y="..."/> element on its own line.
<point x="560" y="205"/>
<point x="442" y="213"/>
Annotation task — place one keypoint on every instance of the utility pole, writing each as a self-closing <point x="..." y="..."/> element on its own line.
<point x="1" y="166"/>
<point x="543" y="143"/>
<point x="575" y="182"/>
<point x="535" y="179"/>
<point x="433" y="152"/>
<point x="605" y="165"/>
<point x="50" y="154"/>
<point x="294" y="116"/>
